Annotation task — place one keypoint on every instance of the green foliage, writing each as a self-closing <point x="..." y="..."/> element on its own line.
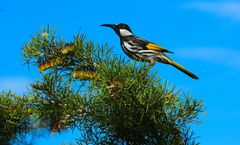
<point x="47" y="50"/>
<point x="108" y="99"/>
<point x="15" y="117"/>
<point x="132" y="107"/>
<point x="52" y="92"/>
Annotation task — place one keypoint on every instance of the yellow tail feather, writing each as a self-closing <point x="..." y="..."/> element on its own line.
<point x="181" y="68"/>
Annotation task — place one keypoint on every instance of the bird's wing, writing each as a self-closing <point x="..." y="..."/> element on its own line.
<point x="150" y="45"/>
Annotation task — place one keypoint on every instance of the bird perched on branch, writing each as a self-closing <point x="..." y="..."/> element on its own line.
<point x="143" y="50"/>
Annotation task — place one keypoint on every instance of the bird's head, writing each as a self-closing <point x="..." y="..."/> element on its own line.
<point x="121" y="29"/>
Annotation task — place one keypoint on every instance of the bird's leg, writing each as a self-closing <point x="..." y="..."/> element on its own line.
<point x="152" y="62"/>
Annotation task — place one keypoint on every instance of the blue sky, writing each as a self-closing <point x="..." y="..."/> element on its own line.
<point x="203" y="34"/>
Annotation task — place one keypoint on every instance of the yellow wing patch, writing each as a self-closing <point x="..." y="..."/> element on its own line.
<point x="152" y="46"/>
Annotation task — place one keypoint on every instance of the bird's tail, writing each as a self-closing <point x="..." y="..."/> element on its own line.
<point x="184" y="70"/>
<point x="180" y="67"/>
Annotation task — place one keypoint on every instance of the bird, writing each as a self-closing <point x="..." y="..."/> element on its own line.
<point x="140" y="49"/>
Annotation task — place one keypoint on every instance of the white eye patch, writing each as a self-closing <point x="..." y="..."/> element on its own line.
<point x="125" y="32"/>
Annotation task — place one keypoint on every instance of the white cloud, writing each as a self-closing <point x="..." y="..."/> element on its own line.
<point x="17" y="84"/>
<point x="228" y="9"/>
<point x="228" y="57"/>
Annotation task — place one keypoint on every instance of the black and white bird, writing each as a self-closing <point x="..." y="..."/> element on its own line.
<point x="143" y="50"/>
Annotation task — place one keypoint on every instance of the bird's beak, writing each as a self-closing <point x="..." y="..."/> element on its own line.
<point x="109" y="25"/>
